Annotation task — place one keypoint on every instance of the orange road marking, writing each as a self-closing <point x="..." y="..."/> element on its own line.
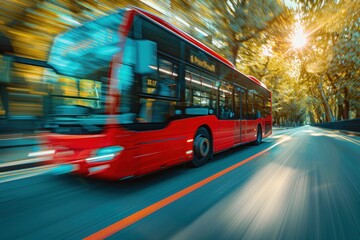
<point x="125" y="222"/>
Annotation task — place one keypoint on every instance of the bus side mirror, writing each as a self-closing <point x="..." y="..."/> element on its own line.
<point x="146" y="57"/>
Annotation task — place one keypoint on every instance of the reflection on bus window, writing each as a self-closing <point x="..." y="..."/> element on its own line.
<point x="82" y="51"/>
<point x="91" y="89"/>
<point x="74" y="91"/>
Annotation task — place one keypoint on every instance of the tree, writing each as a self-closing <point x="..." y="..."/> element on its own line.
<point x="327" y="22"/>
<point x="344" y="69"/>
<point x="238" y="21"/>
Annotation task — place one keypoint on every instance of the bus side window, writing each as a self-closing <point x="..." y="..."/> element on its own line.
<point x="250" y="105"/>
<point x="226" y="101"/>
<point x="163" y="82"/>
<point x="168" y="78"/>
<point x="267" y="107"/>
<point x="258" y="106"/>
<point x="155" y="110"/>
<point x="200" y="90"/>
<point x="160" y="110"/>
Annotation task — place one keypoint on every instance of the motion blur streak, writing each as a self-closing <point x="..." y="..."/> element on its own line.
<point x="123" y="223"/>
<point x="23" y="173"/>
<point x="260" y="206"/>
<point x="288" y="197"/>
<point x="355" y="141"/>
<point x="333" y="135"/>
<point x="306" y="188"/>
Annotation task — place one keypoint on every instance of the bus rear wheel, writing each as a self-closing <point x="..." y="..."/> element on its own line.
<point x="202" y="148"/>
<point x="258" y="136"/>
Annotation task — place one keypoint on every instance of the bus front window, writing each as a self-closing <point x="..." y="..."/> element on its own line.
<point x="82" y="57"/>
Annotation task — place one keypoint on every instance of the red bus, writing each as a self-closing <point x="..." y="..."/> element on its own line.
<point x="133" y="94"/>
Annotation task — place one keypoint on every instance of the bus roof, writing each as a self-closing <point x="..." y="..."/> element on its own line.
<point x="192" y="40"/>
<point x="257" y="81"/>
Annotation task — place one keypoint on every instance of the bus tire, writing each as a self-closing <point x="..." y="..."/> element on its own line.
<point x="202" y="148"/>
<point x="258" y="136"/>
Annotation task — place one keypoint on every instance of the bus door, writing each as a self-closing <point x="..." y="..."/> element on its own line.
<point x="243" y="116"/>
<point x="226" y="116"/>
<point x="237" y="111"/>
<point x="250" y="133"/>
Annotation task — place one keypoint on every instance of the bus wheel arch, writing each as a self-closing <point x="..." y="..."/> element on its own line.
<point x="202" y="146"/>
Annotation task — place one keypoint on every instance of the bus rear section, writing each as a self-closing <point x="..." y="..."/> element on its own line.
<point x="134" y="95"/>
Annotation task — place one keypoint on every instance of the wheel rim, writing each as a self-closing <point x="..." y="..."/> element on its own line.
<point x="202" y="146"/>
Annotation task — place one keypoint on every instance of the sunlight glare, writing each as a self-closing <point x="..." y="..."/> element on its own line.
<point x="267" y="51"/>
<point x="299" y="39"/>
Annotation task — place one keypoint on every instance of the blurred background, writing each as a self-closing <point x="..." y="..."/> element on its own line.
<point x="306" y="52"/>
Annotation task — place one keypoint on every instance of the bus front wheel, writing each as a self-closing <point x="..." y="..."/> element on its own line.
<point x="202" y="148"/>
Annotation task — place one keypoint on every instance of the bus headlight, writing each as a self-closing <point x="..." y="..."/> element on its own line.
<point x="42" y="153"/>
<point x="105" y="154"/>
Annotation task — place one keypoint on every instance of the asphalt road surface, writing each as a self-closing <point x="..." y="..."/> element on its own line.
<point x="302" y="183"/>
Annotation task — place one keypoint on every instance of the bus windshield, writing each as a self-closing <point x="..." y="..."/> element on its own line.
<point x="82" y="57"/>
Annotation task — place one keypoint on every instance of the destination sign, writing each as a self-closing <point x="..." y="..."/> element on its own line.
<point x="202" y="61"/>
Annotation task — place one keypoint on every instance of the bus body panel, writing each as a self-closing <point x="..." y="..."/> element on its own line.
<point x="267" y="129"/>
<point x="147" y="151"/>
<point x="224" y="137"/>
<point x="237" y="132"/>
<point x="158" y="149"/>
<point x="251" y="130"/>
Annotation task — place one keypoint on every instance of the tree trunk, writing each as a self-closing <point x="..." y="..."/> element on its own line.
<point x="312" y="119"/>
<point x="357" y="109"/>
<point x="234" y="53"/>
<point x="328" y="114"/>
<point x="346" y="103"/>
<point x="317" y="113"/>
<point x="340" y="113"/>
<point x="335" y="89"/>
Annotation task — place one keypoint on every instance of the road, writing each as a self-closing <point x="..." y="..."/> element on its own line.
<point x="302" y="183"/>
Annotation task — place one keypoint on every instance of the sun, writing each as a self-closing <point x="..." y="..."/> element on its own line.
<point x="299" y="39"/>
